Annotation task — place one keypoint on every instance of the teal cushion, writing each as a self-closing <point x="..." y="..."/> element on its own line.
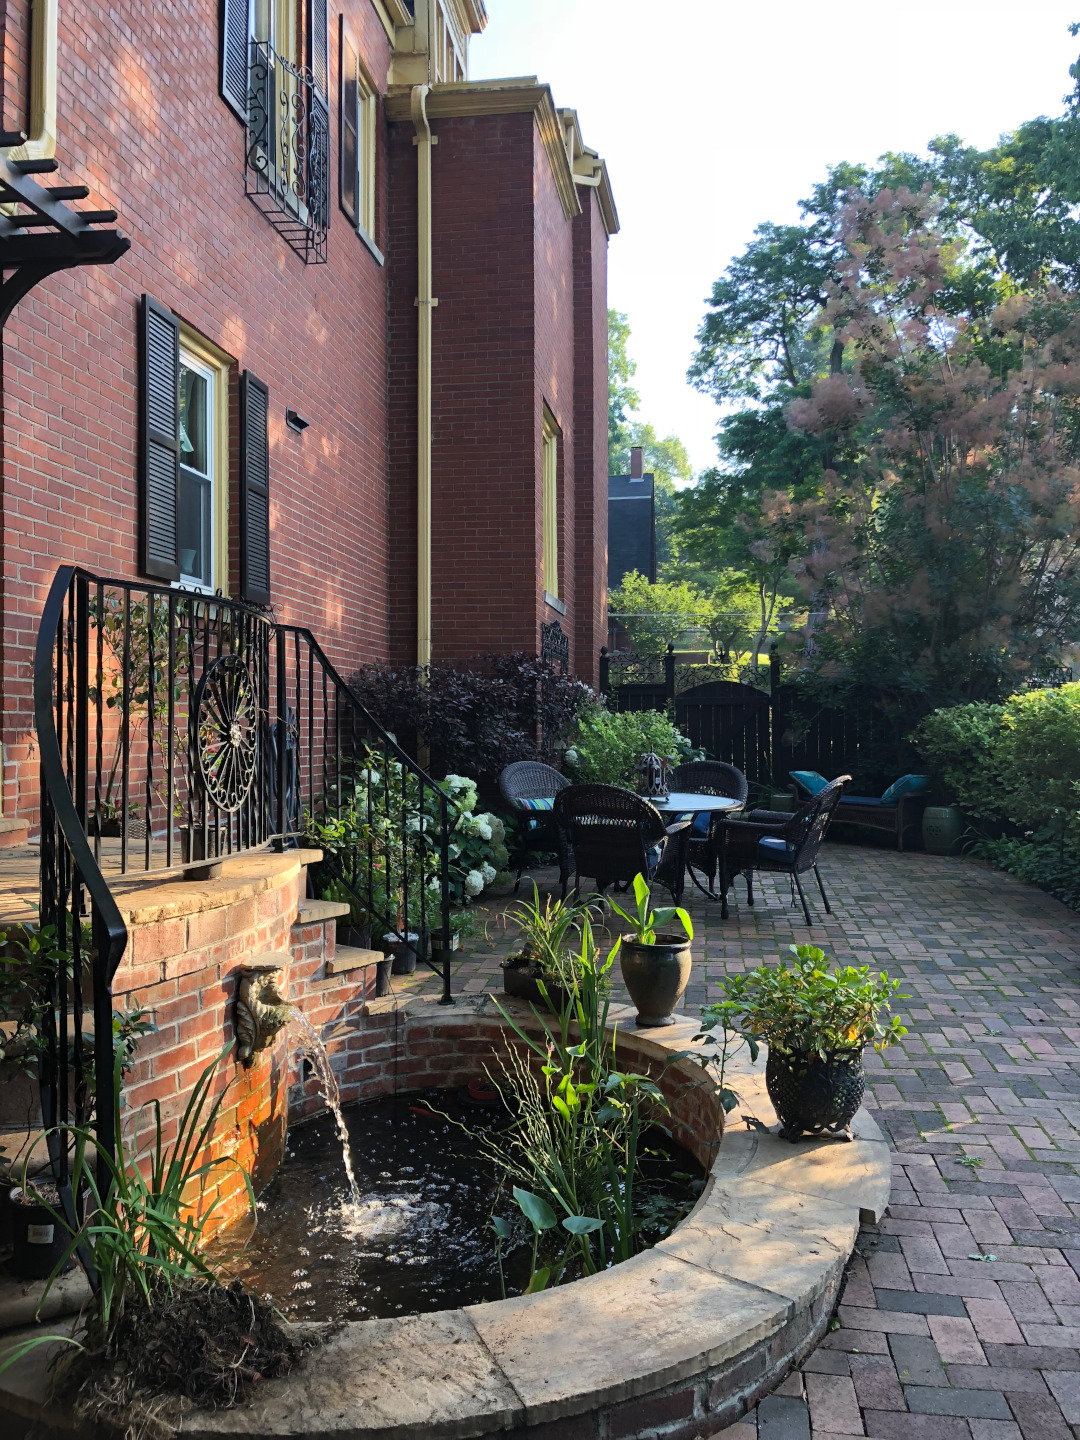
<point x="810" y="780"/>
<point x="906" y="785"/>
<point x="535" y="804"/>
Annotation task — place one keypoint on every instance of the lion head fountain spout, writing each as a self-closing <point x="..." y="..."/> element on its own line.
<point x="261" y="1009"/>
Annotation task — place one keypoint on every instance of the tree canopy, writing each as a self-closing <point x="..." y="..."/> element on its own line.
<point x="899" y="440"/>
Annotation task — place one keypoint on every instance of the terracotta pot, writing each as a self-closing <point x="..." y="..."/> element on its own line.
<point x="656" y="976"/>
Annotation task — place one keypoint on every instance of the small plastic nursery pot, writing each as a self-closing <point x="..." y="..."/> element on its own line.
<point x="404" y="952"/>
<point x="814" y="1096"/>
<point x="38" y="1241"/>
<point x="656" y="976"/>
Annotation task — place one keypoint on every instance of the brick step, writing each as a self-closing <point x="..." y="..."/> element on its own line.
<point x="13" y="831"/>
<point x="351" y="957"/>
<point x="318" y="912"/>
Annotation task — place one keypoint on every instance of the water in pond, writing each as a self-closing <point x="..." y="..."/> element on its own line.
<point x="419" y="1238"/>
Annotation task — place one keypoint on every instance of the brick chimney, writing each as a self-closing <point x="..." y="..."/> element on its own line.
<point x="637" y="462"/>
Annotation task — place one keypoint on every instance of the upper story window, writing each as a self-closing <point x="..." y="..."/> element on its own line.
<point x="357" y="142"/>
<point x="274" y="70"/>
<point x="550" y="504"/>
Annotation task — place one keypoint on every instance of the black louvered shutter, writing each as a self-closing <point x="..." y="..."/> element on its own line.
<point x="235" y="46"/>
<point x="159" y="441"/>
<point x="254" y="491"/>
<point x="319" y="46"/>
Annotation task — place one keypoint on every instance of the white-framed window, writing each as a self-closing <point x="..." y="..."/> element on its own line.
<point x="197" y="471"/>
<point x="203" y="494"/>
<point x="357" y="140"/>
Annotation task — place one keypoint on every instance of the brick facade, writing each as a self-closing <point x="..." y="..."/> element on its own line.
<point x="142" y="122"/>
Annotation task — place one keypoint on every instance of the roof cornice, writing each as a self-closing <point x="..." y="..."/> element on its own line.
<point x="519" y="96"/>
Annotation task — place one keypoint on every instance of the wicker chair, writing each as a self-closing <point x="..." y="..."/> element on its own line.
<point x="708" y="777"/>
<point x="531" y="780"/>
<point x="615" y="835"/>
<point x="783" y="844"/>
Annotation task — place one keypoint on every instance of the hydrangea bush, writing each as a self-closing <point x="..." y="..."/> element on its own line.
<point x="478" y="853"/>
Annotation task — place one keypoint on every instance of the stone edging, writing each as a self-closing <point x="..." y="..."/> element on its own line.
<point x="677" y="1342"/>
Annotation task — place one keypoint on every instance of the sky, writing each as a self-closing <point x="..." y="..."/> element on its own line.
<point x="715" y="116"/>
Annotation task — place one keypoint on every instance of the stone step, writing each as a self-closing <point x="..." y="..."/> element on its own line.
<point x="269" y="960"/>
<point x="318" y="912"/>
<point x="13" y="831"/>
<point x="351" y="957"/>
<point x="21" y="1300"/>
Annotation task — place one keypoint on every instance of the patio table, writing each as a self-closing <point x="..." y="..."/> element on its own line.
<point x="682" y="803"/>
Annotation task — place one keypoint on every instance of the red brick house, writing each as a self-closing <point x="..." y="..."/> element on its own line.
<point x="353" y="365"/>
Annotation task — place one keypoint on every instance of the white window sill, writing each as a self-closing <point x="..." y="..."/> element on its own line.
<point x="380" y="258"/>
<point x="559" y="606"/>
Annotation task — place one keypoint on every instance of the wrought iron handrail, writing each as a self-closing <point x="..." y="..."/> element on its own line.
<point x="230" y="732"/>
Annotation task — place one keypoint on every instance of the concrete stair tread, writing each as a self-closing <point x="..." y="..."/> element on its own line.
<point x="11" y="823"/>
<point x="318" y="912"/>
<point x="351" y="957"/>
<point x="269" y="959"/>
<point x="20" y="1300"/>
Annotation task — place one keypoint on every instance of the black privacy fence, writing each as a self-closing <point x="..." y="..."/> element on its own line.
<point x="177" y="730"/>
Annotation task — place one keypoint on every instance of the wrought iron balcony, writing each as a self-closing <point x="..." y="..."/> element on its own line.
<point x="287" y="165"/>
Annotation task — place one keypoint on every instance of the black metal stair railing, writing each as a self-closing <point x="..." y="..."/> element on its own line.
<point x="175" y="730"/>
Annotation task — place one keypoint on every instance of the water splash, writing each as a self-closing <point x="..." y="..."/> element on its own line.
<point x="313" y="1047"/>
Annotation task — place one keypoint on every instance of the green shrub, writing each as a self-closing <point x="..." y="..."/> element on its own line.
<point x="608" y="744"/>
<point x="961" y="749"/>
<point x="1046" y="863"/>
<point x="1040" y="755"/>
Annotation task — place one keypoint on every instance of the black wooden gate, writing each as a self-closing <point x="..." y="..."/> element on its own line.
<point x="731" y="722"/>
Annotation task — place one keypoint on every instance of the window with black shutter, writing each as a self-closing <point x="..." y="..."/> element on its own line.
<point x="292" y="29"/>
<point x="159" y="441"/>
<point x="356" y="148"/>
<point x="254" y="491"/>
<point x="183" y="470"/>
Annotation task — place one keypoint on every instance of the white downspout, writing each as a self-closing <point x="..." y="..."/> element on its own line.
<point x="425" y="303"/>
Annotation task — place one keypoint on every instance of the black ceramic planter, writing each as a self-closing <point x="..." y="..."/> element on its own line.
<point x="814" y="1096"/>
<point x="656" y="976"/>
<point x="38" y="1240"/>
<point x="521" y="981"/>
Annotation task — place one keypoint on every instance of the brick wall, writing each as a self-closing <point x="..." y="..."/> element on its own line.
<point x="141" y="122"/>
<point x="506" y="336"/>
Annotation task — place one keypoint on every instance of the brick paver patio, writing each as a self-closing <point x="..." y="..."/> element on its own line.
<point x="960" y="1318"/>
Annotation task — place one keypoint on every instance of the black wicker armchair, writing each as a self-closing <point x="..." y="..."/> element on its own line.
<point x="527" y="780"/>
<point x="615" y="835"/>
<point x="708" y="777"/>
<point x="782" y="844"/>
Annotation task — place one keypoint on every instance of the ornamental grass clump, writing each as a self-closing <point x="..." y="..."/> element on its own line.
<point x="160" y="1329"/>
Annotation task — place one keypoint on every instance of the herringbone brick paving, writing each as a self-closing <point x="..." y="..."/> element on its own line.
<point x="960" y="1316"/>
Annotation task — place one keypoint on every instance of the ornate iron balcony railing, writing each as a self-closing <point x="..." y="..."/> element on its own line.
<point x="287" y="164"/>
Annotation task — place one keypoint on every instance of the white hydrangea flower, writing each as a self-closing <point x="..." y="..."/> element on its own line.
<point x="489" y="872"/>
<point x="474" y="883"/>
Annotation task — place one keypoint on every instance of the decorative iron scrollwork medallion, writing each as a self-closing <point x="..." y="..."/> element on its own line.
<point x="226" y="732"/>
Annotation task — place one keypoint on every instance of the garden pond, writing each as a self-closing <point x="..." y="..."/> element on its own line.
<point x="420" y="1238"/>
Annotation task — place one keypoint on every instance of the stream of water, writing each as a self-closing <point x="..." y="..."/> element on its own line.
<point x="313" y="1047"/>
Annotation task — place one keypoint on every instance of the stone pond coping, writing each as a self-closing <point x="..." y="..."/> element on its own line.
<point x="678" y="1341"/>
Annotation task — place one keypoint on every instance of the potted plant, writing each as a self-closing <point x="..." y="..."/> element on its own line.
<point x="541" y="959"/>
<point x="816" y="1022"/>
<point x="655" y="963"/>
